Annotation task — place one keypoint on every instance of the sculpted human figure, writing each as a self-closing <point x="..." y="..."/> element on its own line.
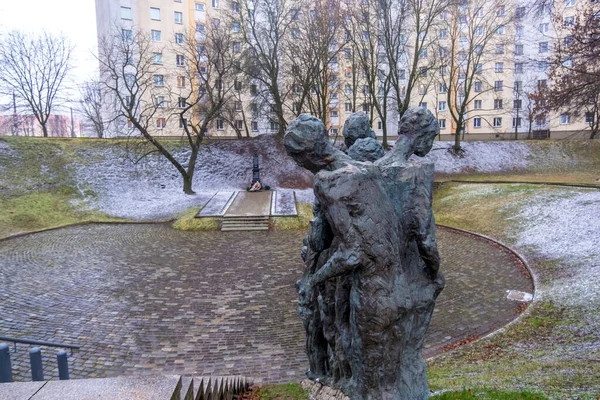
<point x="381" y="268"/>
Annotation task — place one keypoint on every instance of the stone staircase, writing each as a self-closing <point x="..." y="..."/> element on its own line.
<point x="245" y="223"/>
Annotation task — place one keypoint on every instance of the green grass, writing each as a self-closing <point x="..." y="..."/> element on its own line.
<point x="531" y="354"/>
<point x="302" y="221"/>
<point x="287" y="391"/>
<point x="188" y="222"/>
<point x="488" y="394"/>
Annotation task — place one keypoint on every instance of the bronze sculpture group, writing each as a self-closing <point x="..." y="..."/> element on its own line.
<point x="371" y="261"/>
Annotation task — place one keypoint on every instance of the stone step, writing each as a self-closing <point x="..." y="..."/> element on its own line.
<point x="246" y="228"/>
<point x="245" y="222"/>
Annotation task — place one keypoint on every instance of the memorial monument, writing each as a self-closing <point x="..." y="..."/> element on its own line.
<point x="371" y="262"/>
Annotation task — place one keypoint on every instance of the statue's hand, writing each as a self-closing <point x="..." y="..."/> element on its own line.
<point x="306" y="303"/>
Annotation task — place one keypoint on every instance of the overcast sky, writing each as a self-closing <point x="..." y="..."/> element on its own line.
<point x="76" y="19"/>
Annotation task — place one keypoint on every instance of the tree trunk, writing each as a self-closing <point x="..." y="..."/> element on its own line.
<point x="456" y="148"/>
<point x="187" y="184"/>
<point x="44" y="130"/>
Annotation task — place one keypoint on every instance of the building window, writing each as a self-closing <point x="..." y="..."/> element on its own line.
<point x="518" y="68"/>
<point x="239" y="124"/>
<point x="443" y="88"/>
<point x="589" y="118"/>
<point x="479" y="31"/>
<point x="156" y="36"/>
<point x="200" y="28"/>
<point x="569" y="3"/>
<point x="182" y="123"/>
<point x="500" y="11"/>
<point x="157" y="58"/>
<point x="442" y="106"/>
<point x="160" y="101"/>
<point x="179" y="60"/>
<point x="501" y="30"/>
<point x="498" y="85"/>
<point x="235" y="27"/>
<point x="497" y="104"/>
<point x="159" y="80"/>
<point x="333" y="114"/>
<point x="519" y="30"/>
<point x="253" y="90"/>
<point x="516" y="122"/>
<point x="365" y="107"/>
<point x="333" y="131"/>
<point x="220" y="124"/>
<point x="254" y="125"/>
<point x="539" y="121"/>
<point x="443" y="33"/>
<point x="181" y="81"/>
<point x="235" y="6"/>
<point x="181" y="102"/>
<point x="542" y="84"/>
<point x="544" y="28"/>
<point x="477" y="104"/>
<point x="199" y="7"/>
<point x="126" y="13"/>
<point x="569" y="21"/>
<point x="402" y="74"/>
<point x="543" y="47"/>
<point x="518" y="85"/>
<point x="155" y="13"/>
<point x="161" y="123"/>
<point x="274" y="126"/>
<point x="215" y="3"/>
<point x="477" y="86"/>
<point x="477" y="122"/>
<point x="497" y="122"/>
<point x="518" y="49"/>
<point x="379" y="126"/>
<point x="499" y="49"/>
<point x="179" y="38"/>
<point x="178" y="16"/>
<point x="565" y="119"/>
<point x="422" y="89"/>
<point x="423" y="53"/>
<point x="423" y="105"/>
<point x="237" y="47"/>
<point x="479" y="68"/>
<point x="499" y="67"/>
<point x="517" y="103"/>
<point x="127" y="35"/>
<point x="542" y="65"/>
<point x="520" y="12"/>
<point x="442" y="123"/>
<point x="238" y="106"/>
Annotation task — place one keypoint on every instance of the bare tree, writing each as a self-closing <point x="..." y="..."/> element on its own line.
<point x="92" y="105"/>
<point x="575" y="70"/>
<point x="35" y="68"/>
<point x="312" y="52"/>
<point x="264" y="26"/>
<point x="473" y="41"/>
<point x="153" y="99"/>
<point x="407" y="34"/>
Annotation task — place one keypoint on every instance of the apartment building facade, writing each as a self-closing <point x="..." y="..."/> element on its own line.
<point x="515" y="65"/>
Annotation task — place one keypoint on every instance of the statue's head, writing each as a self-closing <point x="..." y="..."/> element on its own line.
<point x="422" y="127"/>
<point x="307" y="143"/>
<point x="357" y="126"/>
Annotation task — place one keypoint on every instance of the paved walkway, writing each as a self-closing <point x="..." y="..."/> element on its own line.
<point x="146" y="299"/>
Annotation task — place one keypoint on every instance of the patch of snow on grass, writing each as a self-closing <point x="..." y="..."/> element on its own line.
<point x="305" y="196"/>
<point x="480" y="157"/>
<point x="565" y="225"/>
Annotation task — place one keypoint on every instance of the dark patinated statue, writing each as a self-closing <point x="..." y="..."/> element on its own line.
<point x="371" y="276"/>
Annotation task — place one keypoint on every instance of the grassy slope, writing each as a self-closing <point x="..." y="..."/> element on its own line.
<point x="566" y="161"/>
<point x="36" y="185"/>
<point x="527" y="354"/>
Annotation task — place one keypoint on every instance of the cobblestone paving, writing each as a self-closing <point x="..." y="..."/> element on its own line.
<point x="146" y="299"/>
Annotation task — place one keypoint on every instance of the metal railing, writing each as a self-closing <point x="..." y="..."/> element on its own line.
<point x="35" y="358"/>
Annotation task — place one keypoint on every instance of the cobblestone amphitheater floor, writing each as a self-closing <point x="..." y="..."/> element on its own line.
<point x="146" y="299"/>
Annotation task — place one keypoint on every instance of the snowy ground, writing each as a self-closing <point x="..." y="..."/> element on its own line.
<point x="152" y="188"/>
<point x="564" y="225"/>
